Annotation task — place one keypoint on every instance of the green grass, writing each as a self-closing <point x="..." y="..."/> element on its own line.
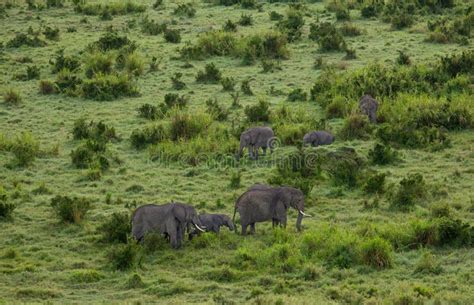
<point x="43" y="259"/>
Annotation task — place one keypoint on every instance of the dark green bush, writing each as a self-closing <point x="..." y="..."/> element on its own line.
<point x="228" y="83"/>
<point x="60" y="62"/>
<point x="148" y="135"/>
<point x="172" y="36"/>
<point x="410" y="137"/>
<point x="351" y="30"/>
<point x="111" y="8"/>
<point x="151" y="27"/>
<point x="116" y="228"/>
<point x="344" y="166"/>
<point x="403" y="58"/>
<point x="25" y="148"/>
<point x="217" y="111"/>
<point x="275" y="16"/>
<point x="377" y="253"/>
<point x="245" y="87"/>
<point x="148" y="111"/>
<point x="109" y="87"/>
<point x="210" y="75"/>
<point x="454" y="232"/>
<point x="126" y="256"/>
<point x="98" y="63"/>
<point x="92" y="130"/>
<point x="25" y="40"/>
<point x="401" y="20"/>
<point x="411" y="190"/>
<point x="343" y="14"/>
<point x="327" y="36"/>
<point x="292" y="24"/>
<point x="297" y="95"/>
<point x="178" y="84"/>
<point x="12" y="97"/>
<point x="245" y="20"/>
<point x="375" y="184"/>
<point x="186" y="126"/>
<point x="356" y="126"/>
<point x="91" y="154"/>
<point x="185" y="9"/>
<point x="382" y="154"/>
<point x="113" y="41"/>
<point x="32" y="72"/>
<point x="47" y="87"/>
<point x="229" y="26"/>
<point x="54" y="3"/>
<point x="6" y="207"/>
<point x="235" y="179"/>
<point x="70" y="209"/>
<point x="338" y="108"/>
<point x="173" y="100"/>
<point x="259" y="112"/>
<point x="51" y="33"/>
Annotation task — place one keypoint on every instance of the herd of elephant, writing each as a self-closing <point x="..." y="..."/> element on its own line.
<point x="259" y="203"/>
<point x="263" y="137"/>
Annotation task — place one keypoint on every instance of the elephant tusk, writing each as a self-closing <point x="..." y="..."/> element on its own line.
<point x="302" y="213"/>
<point x="197" y="227"/>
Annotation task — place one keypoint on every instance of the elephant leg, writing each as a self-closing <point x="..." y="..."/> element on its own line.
<point x="244" y="229"/>
<point x="250" y="148"/>
<point x="274" y="223"/>
<point x="174" y="240"/>
<point x="252" y="228"/>
<point x="256" y="152"/>
<point x="283" y="221"/>
<point x="264" y="149"/>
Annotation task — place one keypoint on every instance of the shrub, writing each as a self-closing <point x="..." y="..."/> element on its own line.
<point x="25" y="148"/>
<point x="178" y="84"/>
<point x="69" y="209"/>
<point x="151" y="27"/>
<point x="185" y="9"/>
<point x="375" y="184"/>
<point x="92" y="130"/>
<point x="6" y="208"/>
<point x="235" y="179"/>
<point x="245" y="20"/>
<point x="116" y="228"/>
<point x="428" y="264"/>
<point x="343" y="14"/>
<point x="229" y="26"/>
<point x="245" y="87"/>
<point x="401" y="20"/>
<point x="32" y="72"/>
<point x="292" y="24"/>
<point x="369" y="10"/>
<point x="338" y="108"/>
<point x="275" y="16"/>
<point x="148" y="111"/>
<point x="134" y="64"/>
<point x="68" y="83"/>
<point x="186" y="126"/>
<point x="124" y="257"/>
<point x="109" y="87"/>
<point x="110" y="8"/>
<point x="403" y="58"/>
<point x="173" y="100"/>
<point x="327" y="36"/>
<point x="54" y="3"/>
<point x="453" y="232"/>
<point x="270" y="65"/>
<point x="12" y="97"/>
<point x="344" y="166"/>
<point x="350" y="54"/>
<point x="377" y="252"/>
<point x="271" y="45"/>
<point x="90" y="154"/>
<point x="86" y="276"/>
<point x="248" y="4"/>
<point x="216" y="111"/>
<point x="51" y="33"/>
<point x="259" y="112"/>
<point x="154" y="241"/>
<point x="135" y="280"/>
<point x="356" y="126"/>
<point x="98" y="63"/>
<point x="228" y="83"/>
<point x="351" y="30"/>
<point x="441" y="210"/>
<point x="382" y="154"/>
<point x="210" y="75"/>
<point x="112" y="41"/>
<point x="172" y="36"/>
<point x="24" y="40"/>
<point x="71" y="63"/>
<point x="148" y="135"/>
<point x="411" y="190"/>
<point x="157" y="4"/>
<point x="297" y="94"/>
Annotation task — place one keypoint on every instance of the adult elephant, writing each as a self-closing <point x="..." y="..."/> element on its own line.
<point x="317" y="138"/>
<point x="170" y="219"/>
<point x="255" y="138"/>
<point x="368" y="106"/>
<point x="263" y="203"/>
<point x="213" y="223"/>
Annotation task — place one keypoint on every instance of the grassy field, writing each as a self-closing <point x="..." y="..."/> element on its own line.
<point x="43" y="259"/>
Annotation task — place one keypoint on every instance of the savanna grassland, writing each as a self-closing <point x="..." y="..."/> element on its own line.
<point x="109" y="105"/>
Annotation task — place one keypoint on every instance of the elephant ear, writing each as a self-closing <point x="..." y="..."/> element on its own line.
<point x="179" y="213"/>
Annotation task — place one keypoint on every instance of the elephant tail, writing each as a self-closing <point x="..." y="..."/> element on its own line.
<point x="233" y="218"/>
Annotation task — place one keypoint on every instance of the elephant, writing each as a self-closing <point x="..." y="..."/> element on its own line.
<point x="254" y="139"/>
<point x="261" y="203"/>
<point x="368" y="106"/>
<point x="170" y="219"/>
<point x="213" y="223"/>
<point x="317" y="138"/>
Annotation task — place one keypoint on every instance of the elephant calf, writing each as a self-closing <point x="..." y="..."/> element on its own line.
<point x="317" y="138"/>
<point x="368" y="106"/>
<point x="255" y="138"/>
<point x="263" y="203"/>
<point x="170" y="219"/>
<point x="213" y="223"/>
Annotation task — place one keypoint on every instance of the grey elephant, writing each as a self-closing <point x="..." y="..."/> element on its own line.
<point x="317" y="138"/>
<point x="170" y="219"/>
<point x="263" y="203"/>
<point x="255" y="138"/>
<point x="368" y="106"/>
<point x="213" y="223"/>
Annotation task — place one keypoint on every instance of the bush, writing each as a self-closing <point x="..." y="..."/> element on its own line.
<point x="186" y="126"/>
<point x="297" y="94"/>
<point x="338" y="108"/>
<point x="229" y="26"/>
<point x="375" y="184"/>
<point x="90" y="154"/>
<point x="12" y="97"/>
<point x="185" y="9"/>
<point x="98" y="63"/>
<point x="453" y="232"/>
<point x="24" y="40"/>
<point x="382" y="154"/>
<point x="71" y="63"/>
<point x="271" y="45"/>
<point x="110" y="8"/>
<point x="112" y="41"/>
<point x="351" y="30"/>
<point x="235" y="179"/>
<point x="69" y="209"/>
<point x="124" y="257"/>
<point x="94" y="131"/>
<point x="259" y="112"/>
<point x="134" y="64"/>
<point x="86" y="276"/>
<point x="47" y="87"/>
<point x="228" y="83"/>
<point x="6" y="208"/>
<point x="401" y="20"/>
<point x="292" y="24"/>
<point x="178" y="84"/>
<point x="116" y="229"/>
<point x="403" y="58"/>
<point x="151" y="27"/>
<point x="32" y="72"/>
<point x="51" y="34"/>
<point x="356" y="126"/>
<point x="210" y="75"/>
<point x="109" y="87"/>
<point x="68" y="83"/>
<point x="148" y="135"/>
<point x="148" y="111"/>
<point x="216" y="111"/>
<point x="173" y="100"/>
<point x="377" y="253"/>
<point x="245" y="87"/>
<point x="172" y="36"/>
<point x="245" y="20"/>
<point x="344" y="166"/>
<point x="428" y="264"/>
<point x="411" y="190"/>
<point x="154" y="241"/>
<point x="343" y="14"/>
<point x="327" y="36"/>
<point x="25" y="148"/>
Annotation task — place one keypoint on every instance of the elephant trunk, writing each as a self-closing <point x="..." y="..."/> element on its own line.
<point x="298" y="221"/>
<point x="241" y="150"/>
